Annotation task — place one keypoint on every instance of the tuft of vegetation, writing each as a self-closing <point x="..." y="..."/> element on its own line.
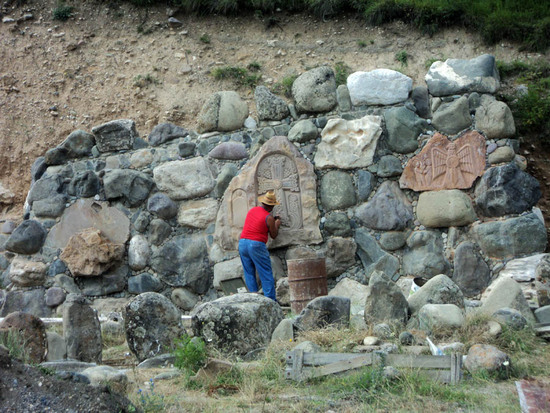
<point x="190" y="354"/>
<point x="14" y="341"/>
<point x="341" y="73"/>
<point x="149" y="401"/>
<point x="62" y="12"/>
<point x="402" y="57"/>
<point x="145" y="80"/>
<point x="254" y="66"/>
<point x="205" y="38"/>
<point x="284" y="87"/>
<point x="239" y="75"/>
<point x="361" y="43"/>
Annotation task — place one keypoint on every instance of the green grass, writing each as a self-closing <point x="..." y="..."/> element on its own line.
<point x="402" y="57"/>
<point x="145" y="80"/>
<point x="341" y="73"/>
<point x="190" y="354"/>
<point x="205" y="38"/>
<point x="15" y="343"/>
<point x="284" y="87"/>
<point x="239" y="75"/>
<point x="62" y="11"/>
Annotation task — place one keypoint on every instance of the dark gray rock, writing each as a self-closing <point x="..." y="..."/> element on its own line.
<point x="38" y="168"/>
<point x="159" y="231"/>
<point x="166" y="132"/>
<point x="184" y="299"/>
<point x="30" y="330"/>
<point x="45" y="187"/>
<point x="315" y="90"/>
<point x="152" y="324"/>
<point x="403" y="127"/>
<point x="343" y="98"/>
<point x="52" y="207"/>
<point x="406" y="338"/>
<point x="322" y="312"/>
<point x="337" y="191"/>
<point x="372" y="256"/>
<point x="269" y="106"/>
<point x="229" y="151"/>
<point x="141" y="221"/>
<point x="425" y="257"/>
<point x="388" y="210"/>
<point x="303" y="131"/>
<point x="421" y="99"/>
<point x="186" y="149"/>
<point x="132" y="187"/>
<point x="81" y="330"/>
<point x="56" y="156"/>
<point x="109" y="283"/>
<point x="28" y="301"/>
<point x="365" y="184"/>
<point x="505" y="190"/>
<point x="183" y="262"/>
<point x="385" y="302"/>
<point x="393" y="240"/>
<point x="389" y="166"/>
<point x="27" y="238"/>
<point x="84" y="184"/>
<point x="511" y="318"/>
<point x="162" y="206"/>
<point x="238" y="323"/>
<point x="139" y="143"/>
<point x="56" y="267"/>
<point x="542" y="314"/>
<point x="458" y="76"/>
<point x="115" y="135"/>
<point x="54" y="296"/>
<point x="337" y="224"/>
<point x="143" y="283"/>
<point x="513" y="237"/>
<point x="78" y="144"/>
<point x="471" y="272"/>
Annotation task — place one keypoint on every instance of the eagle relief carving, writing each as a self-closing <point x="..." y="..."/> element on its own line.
<point x="445" y="164"/>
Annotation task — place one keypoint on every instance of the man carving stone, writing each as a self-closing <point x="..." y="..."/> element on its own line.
<point x="258" y="226"/>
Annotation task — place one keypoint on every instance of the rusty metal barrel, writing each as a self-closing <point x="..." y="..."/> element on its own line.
<point x="307" y="279"/>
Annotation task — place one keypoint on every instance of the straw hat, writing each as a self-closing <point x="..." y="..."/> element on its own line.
<point x="268" y="198"/>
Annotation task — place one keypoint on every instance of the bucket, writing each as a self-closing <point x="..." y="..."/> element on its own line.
<point x="307" y="279"/>
<point x="417" y="282"/>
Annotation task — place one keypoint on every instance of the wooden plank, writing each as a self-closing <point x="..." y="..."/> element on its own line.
<point x="456" y="368"/>
<point x="297" y="364"/>
<point x="321" y="359"/>
<point x="340" y="366"/>
<point x="418" y="362"/>
<point x="542" y="330"/>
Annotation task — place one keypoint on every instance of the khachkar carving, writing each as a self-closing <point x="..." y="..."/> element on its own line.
<point x="279" y="173"/>
<point x="278" y="166"/>
<point x="445" y="164"/>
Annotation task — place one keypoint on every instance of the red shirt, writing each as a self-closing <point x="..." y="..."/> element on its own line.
<point x="255" y="225"/>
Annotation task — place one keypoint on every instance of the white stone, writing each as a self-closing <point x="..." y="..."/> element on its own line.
<point x="227" y="270"/>
<point x="26" y="273"/>
<point x="198" y="214"/>
<point x="6" y="196"/>
<point x="378" y="87"/>
<point x="353" y="290"/>
<point x="522" y="269"/>
<point x="348" y="144"/>
<point x="139" y="252"/>
<point x="186" y="179"/>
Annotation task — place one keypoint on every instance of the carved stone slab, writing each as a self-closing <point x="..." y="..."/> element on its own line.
<point x="278" y="166"/>
<point x="445" y="164"/>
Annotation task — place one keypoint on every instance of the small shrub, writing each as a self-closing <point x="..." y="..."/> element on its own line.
<point x="149" y="401"/>
<point x="284" y="87"/>
<point x="190" y="354"/>
<point x="402" y="57"/>
<point x="145" y="80"/>
<point x="238" y="74"/>
<point x="341" y="73"/>
<point x="14" y="341"/>
<point x="62" y="12"/>
<point x="205" y="38"/>
<point x="361" y="43"/>
<point x="254" y="66"/>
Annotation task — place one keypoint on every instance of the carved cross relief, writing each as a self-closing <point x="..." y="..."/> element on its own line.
<point x="445" y="164"/>
<point x="279" y="173"/>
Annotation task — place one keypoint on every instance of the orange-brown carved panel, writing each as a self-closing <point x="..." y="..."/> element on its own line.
<point x="445" y="164"/>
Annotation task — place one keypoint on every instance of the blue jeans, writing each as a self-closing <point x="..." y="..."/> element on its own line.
<point x="255" y="257"/>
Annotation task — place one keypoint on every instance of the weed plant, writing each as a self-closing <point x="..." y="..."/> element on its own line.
<point x="62" y="11"/>
<point x="149" y="401"/>
<point x="341" y="73"/>
<point x="402" y="57"/>
<point x="205" y="38"/>
<point x="284" y="87"/>
<point x="190" y="354"/>
<point x="239" y="75"/>
<point x="14" y="341"/>
<point x="145" y="80"/>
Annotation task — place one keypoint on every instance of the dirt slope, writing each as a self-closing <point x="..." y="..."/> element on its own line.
<point x="113" y="61"/>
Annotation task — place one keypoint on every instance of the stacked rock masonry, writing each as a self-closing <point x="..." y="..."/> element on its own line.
<point x="377" y="177"/>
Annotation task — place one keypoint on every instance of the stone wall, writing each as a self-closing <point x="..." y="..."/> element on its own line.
<point x="374" y="175"/>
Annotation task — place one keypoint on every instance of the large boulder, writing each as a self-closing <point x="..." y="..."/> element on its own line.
<point x="191" y="178"/>
<point x="438" y="290"/>
<point x="440" y="316"/>
<point x="453" y="117"/>
<point x="388" y="210"/>
<point x="27" y="238"/>
<point x="269" y="106"/>
<point x="505" y="190"/>
<point x="385" y="303"/>
<point x="81" y="330"/>
<point x="513" y="237"/>
<point x="458" y="76"/>
<point x="348" y="144"/>
<point x="324" y="311"/>
<point x="450" y="208"/>
<point x="403" y="127"/>
<point x="484" y="357"/>
<point x="315" y="90"/>
<point x="115" y="135"/>
<point x="32" y="332"/>
<point x="504" y="292"/>
<point x="378" y="87"/>
<point x="183" y="262"/>
<point x="425" y="256"/>
<point x="28" y="301"/>
<point x="222" y="111"/>
<point x="496" y="120"/>
<point x="471" y="272"/>
<point x="238" y="323"/>
<point x="337" y="191"/>
<point x="198" y="213"/>
<point x="372" y="256"/>
<point x="152" y="324"/>
<point x="132" y="187"/>
<point x="89" y="253"/>
<point x="355" y="291"/>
